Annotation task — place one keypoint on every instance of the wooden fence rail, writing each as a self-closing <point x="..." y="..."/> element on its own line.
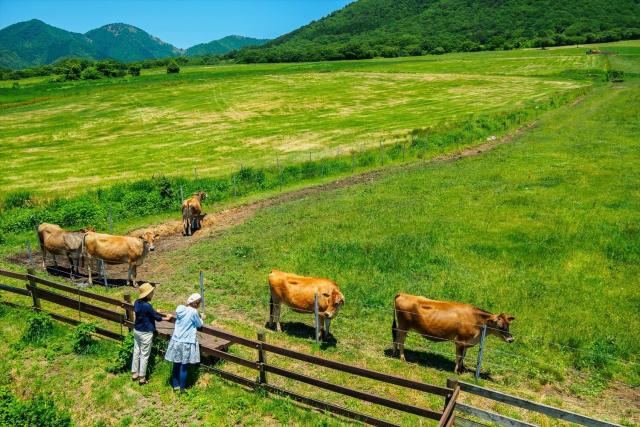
<point x="519" y="402"/>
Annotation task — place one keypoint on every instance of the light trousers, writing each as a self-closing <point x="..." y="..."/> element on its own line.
<point x="142" y="342"/>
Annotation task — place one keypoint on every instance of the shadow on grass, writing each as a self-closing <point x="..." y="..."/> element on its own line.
<point x="304" y="331"/>
<point x="82" y="279"/>
<point x="434" y="360"/>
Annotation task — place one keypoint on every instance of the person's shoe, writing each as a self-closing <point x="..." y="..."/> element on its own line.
<point x="176" y="389"/>
<point x="134" y="377"/>
<point x="143" y="381"/>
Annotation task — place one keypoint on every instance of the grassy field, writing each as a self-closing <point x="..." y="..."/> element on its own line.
<point x="546" y="228"/>
<point x="62" y="139"/>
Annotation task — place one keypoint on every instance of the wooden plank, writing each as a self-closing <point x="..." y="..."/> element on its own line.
<point x="447" y="414"/>
<point x="165" y="329"/>
<point x="463" y="422"/>
<point x="230" y="357"/>
<point x="208" y="330"/>
<point x="492" y="416"/>
<point x="534" y="406"/>
<point x="15" y="290"/>
<point x="12" y="275"/>
<point x="391" y="379"/>
<point x="326" y="406"/>
<point x="80" y="292"/>
<point x="104" y="332"/>
<point x="80" y="305"/>
<point x="428" y="413"/>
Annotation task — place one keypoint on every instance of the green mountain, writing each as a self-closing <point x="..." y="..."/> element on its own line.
<point x="224" y="45"/>
<point x="128" y="43"/>
<point x="31" y="43"/>
<point x="389" y="28"/>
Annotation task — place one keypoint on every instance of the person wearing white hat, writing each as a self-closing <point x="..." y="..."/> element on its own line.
<point x="184" y="348"/>
<point x="143" y="329"/>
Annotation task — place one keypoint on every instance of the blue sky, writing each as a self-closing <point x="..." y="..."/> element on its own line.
<point x="182" y="23"/>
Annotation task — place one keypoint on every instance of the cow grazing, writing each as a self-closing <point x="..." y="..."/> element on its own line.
<point x="119" y="250"/>
<point x="442" y="320"/>
<point x="57" y="241"/>
<point x="192" y="212"/>
<point x="298" y="293"/>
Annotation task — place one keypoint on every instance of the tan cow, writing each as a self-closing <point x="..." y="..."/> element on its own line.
<point x="57" y="241"/>
<point x="298" y="293"/>
<point x="192" y="212"/>
<point x="445" y="321"/>
<point x="119" y="250"/>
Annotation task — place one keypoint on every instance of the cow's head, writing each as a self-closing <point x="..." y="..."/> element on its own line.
<point x="336" y="301"/>
<point x="499" y="326"/>
<point x="201" y="195"/>
<point x="149" y="237"/>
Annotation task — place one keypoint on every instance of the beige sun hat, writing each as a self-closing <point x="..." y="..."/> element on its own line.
<point x="146" y="289"/>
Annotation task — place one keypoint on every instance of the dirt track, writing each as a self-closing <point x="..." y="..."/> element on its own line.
<point x="170" y="233"/>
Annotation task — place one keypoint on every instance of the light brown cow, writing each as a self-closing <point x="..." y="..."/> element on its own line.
<point x="57" y="241"/>
<point x="298" y="293"/>
<point x="192" y="213"/>
<point x="119" y="250"/>
<point x="443" y="320"/>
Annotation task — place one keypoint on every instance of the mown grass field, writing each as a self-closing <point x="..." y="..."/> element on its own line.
<point x="546" y="228"/>
<point x="61" y="139"/>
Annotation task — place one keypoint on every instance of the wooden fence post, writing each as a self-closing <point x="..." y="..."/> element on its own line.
<point x="316" y="317"/>
<point x="452" y="383"/>
<point x="128" y="314"/>
<point x="33" y="287"/>
<point x="201" y="282"/>
<point x="479" y="362"/>
<point x="103" y="272"/>
<point x="262" y="359"/>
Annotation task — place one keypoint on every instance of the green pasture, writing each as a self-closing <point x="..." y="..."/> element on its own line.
<point x="63" y="138"/>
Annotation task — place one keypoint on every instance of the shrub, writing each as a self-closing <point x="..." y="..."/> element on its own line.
<point x="82" y="338"/>
<point x="173" y="67"/>
<point x="90" y="73"/>
<point x="615" y="75"/>
<point x="39" y="327"/>
<point x="19" y="199"/>
<point x="40" y="411"/>
<point x="134" y="70"/>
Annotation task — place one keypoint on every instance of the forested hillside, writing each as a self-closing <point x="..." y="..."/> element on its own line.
<point x="224" y="45"/>
<point x="389" y="28"/>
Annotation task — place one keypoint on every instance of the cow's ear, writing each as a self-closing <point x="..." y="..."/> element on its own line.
<point x="155" y="236"/>
<point x="510" y="318"/>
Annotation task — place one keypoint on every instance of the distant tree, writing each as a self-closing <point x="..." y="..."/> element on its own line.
<point x="173" y="67"/>
<point x="72" y="72"/>
<point x="90" y="73"/>
<point x="134" y="70"/>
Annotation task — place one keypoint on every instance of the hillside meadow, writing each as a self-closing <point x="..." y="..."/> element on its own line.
<point x="83" y="135"/>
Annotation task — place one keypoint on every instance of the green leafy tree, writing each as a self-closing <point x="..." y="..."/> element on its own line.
<point x="90" y="73"/>
<point x="134" y="70"/>
<point x="173" y="67"/>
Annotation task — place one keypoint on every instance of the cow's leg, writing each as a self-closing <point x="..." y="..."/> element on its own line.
<point x="460" y="352"/>
<point x="44" y="258"/>
<point x="276" y="315"/>
<point x="55" y="263"/>
<point x="129" y="274"/>
<point x="327" y="325"/>
<point x="71" y="263"/>
<point x="401" y="335"/>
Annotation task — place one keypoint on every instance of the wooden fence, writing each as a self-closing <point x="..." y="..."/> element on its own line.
<point x="37" y="288"/>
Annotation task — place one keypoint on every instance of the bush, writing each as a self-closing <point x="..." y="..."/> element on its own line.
<point x="19" y="199"/>
<point x="134" y="70"/>
<point x="615" y="75"/>
<point x="82" y="338"/>
<point x="40" y="411"/>
<point x="173" y="67"/>
<point x="39" y="327"/>
<point x="90" y="73"/>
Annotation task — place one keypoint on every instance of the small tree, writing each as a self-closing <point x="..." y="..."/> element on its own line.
<point x="90" y="73"/>
<point x="173" y="67"/>
<point x="134" y="70"/>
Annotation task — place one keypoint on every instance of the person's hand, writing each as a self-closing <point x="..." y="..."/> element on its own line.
<point x="203" y="316"/>
<point x="168" y="316"/>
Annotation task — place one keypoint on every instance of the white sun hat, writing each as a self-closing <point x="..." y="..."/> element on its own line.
<point x="193" y="298"/>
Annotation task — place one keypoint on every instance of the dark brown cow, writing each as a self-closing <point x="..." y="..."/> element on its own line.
<point x="298" y="293"/>
<point x="55" y="240"/>
<point x="119" y="250"/>
<point x="192" y="212"/>
<point x="443" y="320"/>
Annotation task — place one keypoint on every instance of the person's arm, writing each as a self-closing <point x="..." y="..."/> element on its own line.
<point x="197" y="321"/>
<point x="157" y="316"/>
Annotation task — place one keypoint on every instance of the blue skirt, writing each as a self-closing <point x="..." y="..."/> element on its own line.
<point x="182" y="352"/>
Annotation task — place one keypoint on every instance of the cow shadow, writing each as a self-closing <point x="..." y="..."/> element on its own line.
<point x="304" y="331"/>
<point x="82" y="279"/>
<point x="426" y="359"/>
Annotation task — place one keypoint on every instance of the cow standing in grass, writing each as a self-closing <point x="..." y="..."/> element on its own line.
<point x="445" y="321"/>
<point x="119" y="250"/>
<point x="192" y="213"/>
<point x="298" y="292"/>
<point x="55" y="240"/>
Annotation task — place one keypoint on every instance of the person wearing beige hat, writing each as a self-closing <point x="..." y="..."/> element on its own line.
<point x="143" y="330"/>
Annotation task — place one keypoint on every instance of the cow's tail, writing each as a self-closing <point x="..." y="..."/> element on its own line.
<point x="40" y="238"/>
<point x="394" y="326"/>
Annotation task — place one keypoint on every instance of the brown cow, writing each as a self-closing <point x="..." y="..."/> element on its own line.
<point x="119" y="250"/>
<point x="442" y="321"/>
<point x="57" y="241"/>
<point x="298" y="293"/>
<point x="192" y="212"/>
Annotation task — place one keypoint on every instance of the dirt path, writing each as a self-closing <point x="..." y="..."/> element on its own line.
<point x="156" y="269"/>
